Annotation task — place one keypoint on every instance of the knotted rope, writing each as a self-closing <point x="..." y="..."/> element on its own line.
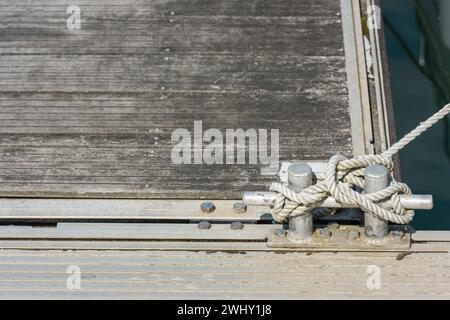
<point x="341" y="178"/>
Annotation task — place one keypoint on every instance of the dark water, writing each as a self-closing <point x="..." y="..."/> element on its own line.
<point x="418" y="39"/>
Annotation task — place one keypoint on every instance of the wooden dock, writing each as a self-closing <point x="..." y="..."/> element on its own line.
<point x="90" y="112"/>
<point x="86" y="177"/>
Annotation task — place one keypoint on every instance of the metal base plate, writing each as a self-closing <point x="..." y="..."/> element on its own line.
<point x="342" y="237"/>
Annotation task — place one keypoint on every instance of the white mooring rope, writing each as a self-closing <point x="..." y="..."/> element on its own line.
<point x="343" y="174"/>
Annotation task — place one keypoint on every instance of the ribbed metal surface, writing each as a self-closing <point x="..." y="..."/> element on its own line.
<point x="136" y="231"/>
<point x="123" y="209"/>
<point x="188" y="275"/>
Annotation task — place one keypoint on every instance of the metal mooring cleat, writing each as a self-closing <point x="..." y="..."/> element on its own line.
<point x="374" y="233"/>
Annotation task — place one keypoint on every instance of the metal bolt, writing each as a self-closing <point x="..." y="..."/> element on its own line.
<point x="207" y="207"/>
<point x="237" y="225"/>
<point x="333" y="225"/>
<point x="398" y="234"/>
<point x="204" y="225"/>
<point x="353" y="234"/>
<point x="325" y="233"/>
<point x="239" y="207"/>
<point x="281" y="233"/>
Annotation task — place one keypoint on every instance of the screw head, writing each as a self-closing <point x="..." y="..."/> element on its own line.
<point x="353" y="234"/>
<point x="333" y="225"/>
<point x="239" y="207"/>
<point x="281" y="233"/>
<point x="398" y="234"/>
<point x="325" y="233"/>
<point x="237" y="225"/>
<point x="207" y="207"/>
<point x="204" y="225"/>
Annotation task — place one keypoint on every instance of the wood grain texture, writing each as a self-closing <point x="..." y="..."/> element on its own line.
<point x="90" y="112"/>
<point x="37" y="274"/>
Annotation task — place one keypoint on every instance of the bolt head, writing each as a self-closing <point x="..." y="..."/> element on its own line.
<point x="207" y="207"/>
<point x="353" y="234"/>
<point x="204" y="225"/>
<point x="333" y="225"/>
<point x="239" y="207"/>
<point x="398" y="234"/>
<point x="237" y="225"/>
<point x="281" y="233"/>
<point x="325" y="233"/>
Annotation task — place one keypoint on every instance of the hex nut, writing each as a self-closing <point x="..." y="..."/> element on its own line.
<point x="281" y="233"/>
<point x="325" y="233"/>
<point x="333" y="225"/>
<point x="237" y="225"/>
<point x="207" y="207"/>
<point x="239" y="207"/>
<point x="353" y="234"/>
<point x="398" y="234"/>
<point x="204" y="225"/>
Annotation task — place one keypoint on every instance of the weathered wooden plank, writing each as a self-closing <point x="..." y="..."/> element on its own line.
<point x="43" y="32"/>
<point x="165" y="274"/>
<point x="208" y="246"/>
<point x="181" y="7"/>
<point x="90" y="112"/>
<point x="85" y="73"/>
<point x="244" y="42"/>
<point x="427" y="236"/>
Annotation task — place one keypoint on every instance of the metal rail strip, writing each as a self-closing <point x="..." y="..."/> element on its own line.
<point x="123" y="209"/>
<point x="238" y="247"/>
<point x="137" y="231"/>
